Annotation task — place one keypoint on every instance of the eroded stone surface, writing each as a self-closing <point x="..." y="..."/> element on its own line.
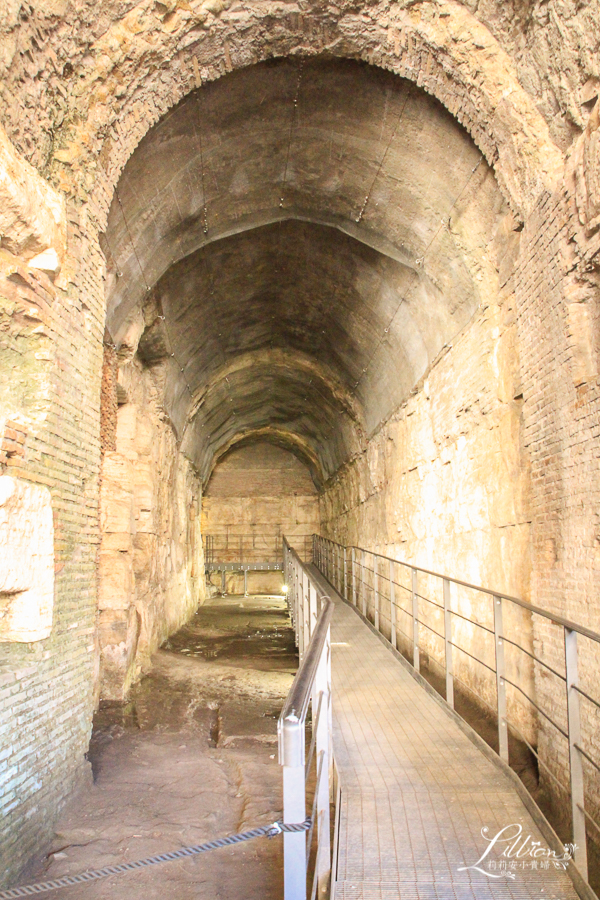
<point x="150" y="564"/>
<point x="82" y="86"/>
<point x="26" y="561"/>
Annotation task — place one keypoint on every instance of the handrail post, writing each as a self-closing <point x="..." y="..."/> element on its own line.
<point x="353" y="570"/>
<point x="448" y="644"/>
<point x="363" y="587"/>
<point x="392" y="607"/>
<point x="322" y="687"/>
<point x="376" y="597"/>
<point x="500" y="682"/>
<point x="575" y="759"/>
<point x="313" y="606"/>
<point x="415" y="618"/>
<point x="305" y="607"/>
<point x="345" y="575"/>
<point x="306" y="601"/>
<point x="294" y="811"/>
<point x="336" y="566"/>
<point x="299" y="613"/>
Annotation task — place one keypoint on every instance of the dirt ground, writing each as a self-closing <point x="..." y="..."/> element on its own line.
<point x="191" y="757"/>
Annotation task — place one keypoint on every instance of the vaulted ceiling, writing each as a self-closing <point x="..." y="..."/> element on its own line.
<point x="304" y="237"/>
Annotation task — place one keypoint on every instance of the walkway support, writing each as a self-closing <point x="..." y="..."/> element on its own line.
<point x="409" y="592"/>
<point x="311" y="613"/>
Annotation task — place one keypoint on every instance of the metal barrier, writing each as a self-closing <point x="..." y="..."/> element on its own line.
<point x="376" y="584"/>
<point x="311" y="614"/>
<point x="243" y="553"/>
<point x="241" y="549"/>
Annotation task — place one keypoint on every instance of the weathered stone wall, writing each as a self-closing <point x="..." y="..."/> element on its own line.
<point x="491" y="472"/>
<point x="265" y="491"/>
<point x="445" y="483"/>
<point x="50" y="357"/>
<point x="150" y="565"/>
<point x="558" y="308"/>
<point x="80" y="87"/>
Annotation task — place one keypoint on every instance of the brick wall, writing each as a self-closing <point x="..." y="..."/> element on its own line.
<point x="51" y="346"/>
<point x="561" y="412"/>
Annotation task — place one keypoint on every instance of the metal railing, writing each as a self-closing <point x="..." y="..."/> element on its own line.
<point x="241" y="549"/>
<point x="391" y="595"/>
<point x="307" y="770"/>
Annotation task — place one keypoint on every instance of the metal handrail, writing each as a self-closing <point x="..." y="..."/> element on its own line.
<point x="295" y="709"/>
<point x="311" y="613"/>
<point x="556" y="619"/>
<point x="339" y="564"/>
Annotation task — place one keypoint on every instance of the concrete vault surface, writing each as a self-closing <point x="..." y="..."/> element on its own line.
<point x="314" y="232"/>
<point x="287" y="267"/>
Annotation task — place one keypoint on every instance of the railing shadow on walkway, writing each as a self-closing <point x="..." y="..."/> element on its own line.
<point x="398" y="602"/>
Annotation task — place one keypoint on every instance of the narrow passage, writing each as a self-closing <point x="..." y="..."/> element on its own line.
<point x="192" y="756"/>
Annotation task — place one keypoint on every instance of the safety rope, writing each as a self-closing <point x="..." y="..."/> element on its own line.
<point x="266" y="831"/>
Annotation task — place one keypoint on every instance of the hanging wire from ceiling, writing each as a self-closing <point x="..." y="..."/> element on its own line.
<point x="198" y="134"/>
<point x="293" y="122"/>
<point x="384" y="157"/>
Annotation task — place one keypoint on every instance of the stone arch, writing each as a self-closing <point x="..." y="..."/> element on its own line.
<point x="294" y="443"/>
<point x="451" y="55"/>
<point x="304" y="375"/>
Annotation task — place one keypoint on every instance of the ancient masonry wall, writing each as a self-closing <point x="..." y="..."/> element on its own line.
<point x="51" y="343"/>
<point x="150" y="564"/>
<point x="557" y="303"/>
<point x="445" y="485"/>
<point x="491" y="472"/>
<point x="266" y="491"/>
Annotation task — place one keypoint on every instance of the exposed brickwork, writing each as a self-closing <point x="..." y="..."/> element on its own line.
<point x="264" y="490"/>
<point x="79" y="96"/>
<point x="561" y="414"/>
<point x="108" y="400"/>
<point x="52" y="342"/>
<point x="13" y="442"/>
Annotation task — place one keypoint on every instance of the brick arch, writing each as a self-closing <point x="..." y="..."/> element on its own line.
<point x="449" y="54"/>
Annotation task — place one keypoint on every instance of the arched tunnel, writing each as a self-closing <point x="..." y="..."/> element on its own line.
<point x="302" y="239"/>
<point x="290" y="251"/>
<point x="299" y="310"/>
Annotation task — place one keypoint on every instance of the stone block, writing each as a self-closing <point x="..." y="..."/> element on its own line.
<point x="26" y="561"/>
<point x="126" y="431"/>
<point x="119" y="541"/>
<point x="116" y="582"/>
<point x="120" y="631"/>
<point x="144" y="554"/>
<point x="307" y="511"/>
<point x="116" y="495"/>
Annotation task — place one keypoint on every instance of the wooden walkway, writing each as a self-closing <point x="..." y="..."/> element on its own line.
<point x="416" y="791"/>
